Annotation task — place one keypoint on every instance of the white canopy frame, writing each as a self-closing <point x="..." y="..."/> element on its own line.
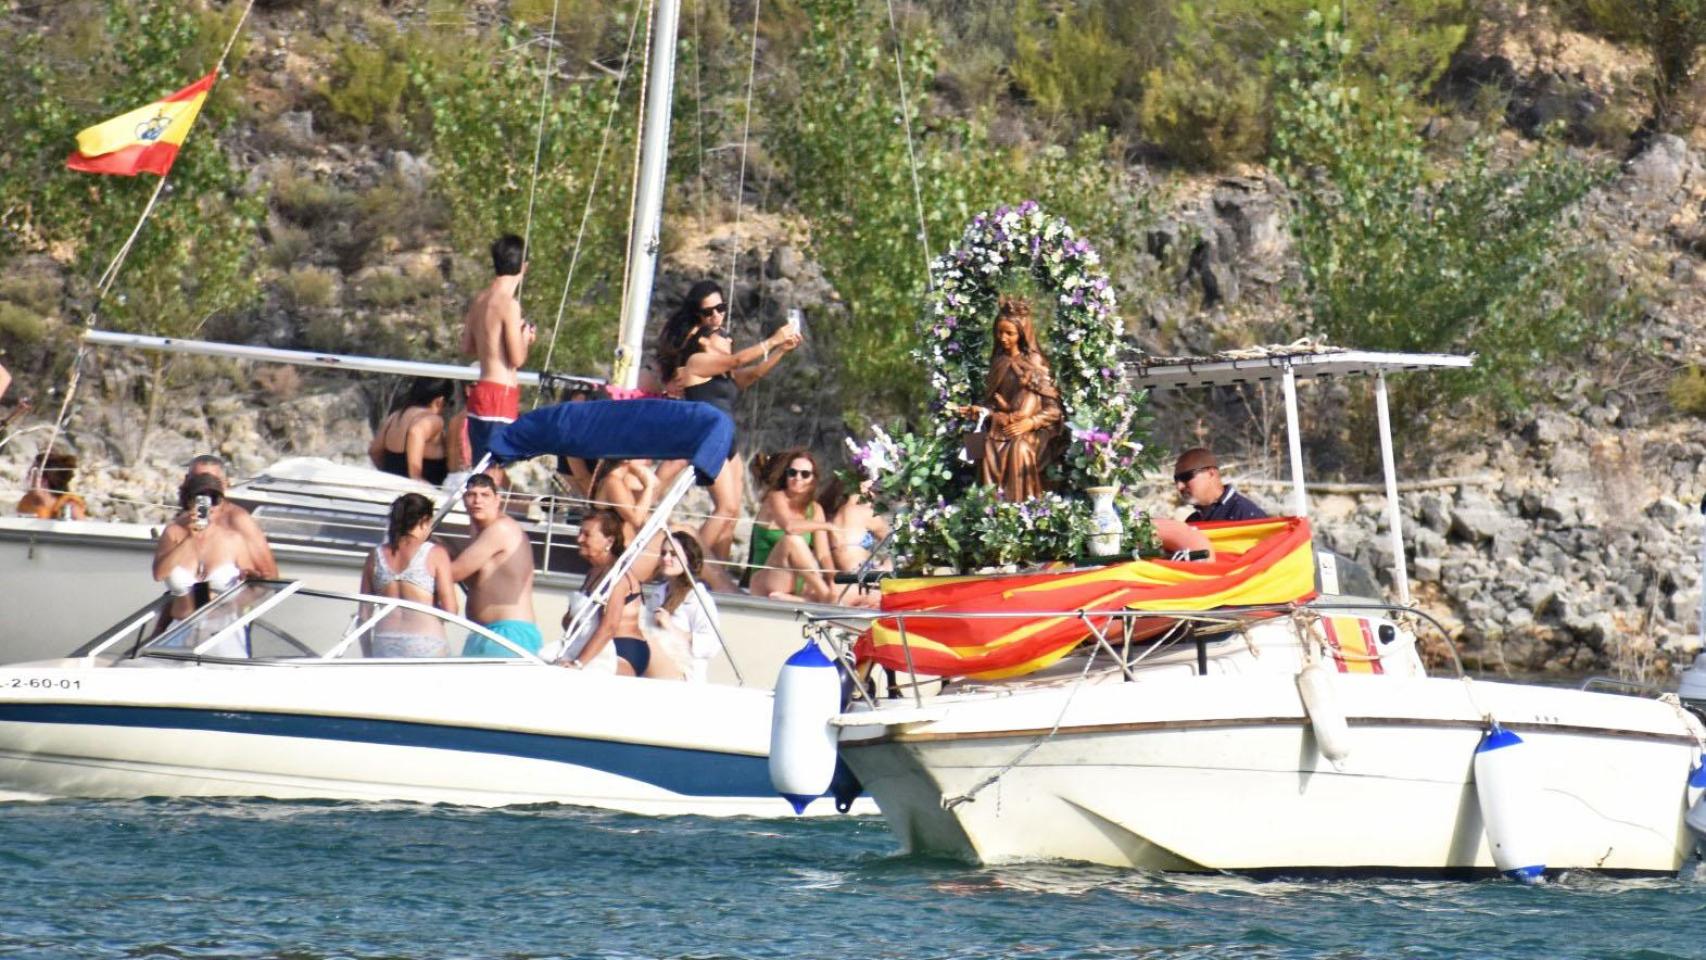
<point x="1288" y="365"/>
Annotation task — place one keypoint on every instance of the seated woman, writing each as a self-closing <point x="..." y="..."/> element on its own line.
<point x="411" y="441"/>
<point x="616" y="645"/>
<point x="686" y="617"/>
<point x="199" y="559"/>
<point x="790" y="537"/>
<point x="858" y="525"/>
<point x="409" y="566"/>
<point x="49" y="496"/>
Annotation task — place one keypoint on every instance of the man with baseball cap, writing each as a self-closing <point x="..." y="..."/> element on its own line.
<point x="1197" y="475"/>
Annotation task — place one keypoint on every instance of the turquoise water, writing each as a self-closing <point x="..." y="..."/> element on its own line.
<point x="294" y="881"/>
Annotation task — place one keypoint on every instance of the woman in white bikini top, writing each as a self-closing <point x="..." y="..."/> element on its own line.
<point x="409" y="566"/>
<point x="196" y="550"/>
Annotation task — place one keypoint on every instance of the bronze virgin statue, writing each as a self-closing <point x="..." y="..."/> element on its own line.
<point x="1023" y="406"/>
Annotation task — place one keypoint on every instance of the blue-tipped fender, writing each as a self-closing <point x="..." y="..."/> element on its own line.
<point x="1695" y="797"/>
<point x="802" y="743"/>
<point x="1508" y="796"/>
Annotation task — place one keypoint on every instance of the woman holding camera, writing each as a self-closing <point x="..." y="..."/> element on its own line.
<point x="199" y="559"/>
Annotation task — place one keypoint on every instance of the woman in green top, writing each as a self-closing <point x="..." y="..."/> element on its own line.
<point x="790" y="535"/>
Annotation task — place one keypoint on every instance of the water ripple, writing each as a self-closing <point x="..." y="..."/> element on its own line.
<point x="193" y="879"/>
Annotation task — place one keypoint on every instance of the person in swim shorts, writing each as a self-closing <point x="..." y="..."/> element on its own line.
<point x="494" y="334"/>
<point x="497" y="569"/>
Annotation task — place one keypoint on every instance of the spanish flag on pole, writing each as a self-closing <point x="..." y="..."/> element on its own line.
<point x="145" y="140"/>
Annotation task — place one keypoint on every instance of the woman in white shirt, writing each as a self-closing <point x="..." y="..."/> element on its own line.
<point x="685" y="619"/>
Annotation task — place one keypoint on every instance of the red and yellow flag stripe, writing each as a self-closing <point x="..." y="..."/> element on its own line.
<point x="1256" y="562"/>
<point x="145" y="140"/>
<point x="1354" y="647"/>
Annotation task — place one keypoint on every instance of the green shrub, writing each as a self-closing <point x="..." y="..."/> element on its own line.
<point x="1079" y="66"/>
<point x="384" y="289"/>
<point x="1687" y="391"/>
<point x="1206" y="108"/>
<point x="310" y="287"/>
<point x="367" y="81"/>
<point x="308" y="201"/>
<point x="20" y="324"/>
<point x="1398" y="254"/>
<point x="290" y="246"/>
<point x="36" y="291"/>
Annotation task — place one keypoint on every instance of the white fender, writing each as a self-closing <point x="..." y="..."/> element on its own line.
<point x="1507" y="792"/>
<point x="1696" y="799"/>
<point x="802" y="743"/>
<point x="1321" y="702"/>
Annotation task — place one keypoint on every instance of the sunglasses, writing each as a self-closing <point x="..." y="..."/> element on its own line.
<point x="1186" y="476"/>
<point x="791" y="473"/>
<point x="713" y="310"/>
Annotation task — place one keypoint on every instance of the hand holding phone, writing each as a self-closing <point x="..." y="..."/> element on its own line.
<point x="201" y="512"/>
<point x="797" y="320"/>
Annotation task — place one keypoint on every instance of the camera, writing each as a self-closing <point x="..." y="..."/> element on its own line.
<point x="201" y="512"/>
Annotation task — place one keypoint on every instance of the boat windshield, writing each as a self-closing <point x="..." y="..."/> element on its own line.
<point x="283" y="621"/>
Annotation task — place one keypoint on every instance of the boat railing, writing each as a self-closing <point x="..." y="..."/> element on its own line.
<point x="370" y="610"/>
<point x="833" y="630"/>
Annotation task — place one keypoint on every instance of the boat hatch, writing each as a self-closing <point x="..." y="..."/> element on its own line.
<point x="284" y="622"/>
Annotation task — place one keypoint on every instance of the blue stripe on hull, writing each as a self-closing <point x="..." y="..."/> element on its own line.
<point x="694" y="773"/>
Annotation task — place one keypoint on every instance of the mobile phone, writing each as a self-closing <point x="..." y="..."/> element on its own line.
<point x="797" y="319"/>
<point x="201" y="512"/>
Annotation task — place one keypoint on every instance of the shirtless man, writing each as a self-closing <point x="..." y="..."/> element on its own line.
<point x="493" y="333"/>
<point x="497" y="567"/>
<point x="226" y="515"/>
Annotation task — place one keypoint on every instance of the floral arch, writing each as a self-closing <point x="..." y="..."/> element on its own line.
<point x="945" y="517"/>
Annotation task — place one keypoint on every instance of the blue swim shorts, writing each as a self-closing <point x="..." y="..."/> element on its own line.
<point x="522" y="633"/>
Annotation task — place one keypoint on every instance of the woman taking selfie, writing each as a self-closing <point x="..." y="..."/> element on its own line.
<point x="696" y="356"/>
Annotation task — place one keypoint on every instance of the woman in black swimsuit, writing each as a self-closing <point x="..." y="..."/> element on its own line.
<point x="695" y="355"/>
<point x="600" y="544"/>
<point x="410" y="442"/>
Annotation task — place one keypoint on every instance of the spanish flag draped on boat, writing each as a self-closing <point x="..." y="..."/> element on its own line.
<point x="146" y="139"/>
<point x="1255" y="562"/>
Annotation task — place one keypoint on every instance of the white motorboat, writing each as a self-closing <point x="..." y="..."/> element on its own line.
<point x="322" y="519"/>
<point x="1298" y="735"/>
<point x="272" y="691"/>
<point x="1161" y="762"/>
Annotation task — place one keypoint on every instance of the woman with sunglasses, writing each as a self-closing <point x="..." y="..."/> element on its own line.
<point x="696" y="356"/>
<point x="790" y="536"/>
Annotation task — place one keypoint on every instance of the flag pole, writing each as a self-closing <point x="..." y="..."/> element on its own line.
<point x="110" y="275"/>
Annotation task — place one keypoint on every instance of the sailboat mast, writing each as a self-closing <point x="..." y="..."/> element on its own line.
<point x="648" y="196"/>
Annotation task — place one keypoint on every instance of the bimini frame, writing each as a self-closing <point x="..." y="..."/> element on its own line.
<point x="1288" y="365"/>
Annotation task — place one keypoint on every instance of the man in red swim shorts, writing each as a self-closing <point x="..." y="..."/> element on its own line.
<point x="493" y="333"/>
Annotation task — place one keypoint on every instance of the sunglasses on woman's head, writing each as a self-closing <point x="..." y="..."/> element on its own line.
<point x="713" y="310"/>
<point x="791" y="473"/>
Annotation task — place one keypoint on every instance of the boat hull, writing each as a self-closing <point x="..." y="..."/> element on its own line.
<point x="486" y="734"/>
<point x="1223" y="773"/>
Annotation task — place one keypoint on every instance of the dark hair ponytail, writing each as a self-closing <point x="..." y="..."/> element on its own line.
<point x="680" y="336"/>
<point x="407" y="511"/>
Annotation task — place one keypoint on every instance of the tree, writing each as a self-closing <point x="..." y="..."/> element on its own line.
<point x="86" y="62"/>
<point x="841" y="136"/>
<point x="1398" y="255"/>
<point x="1671" y="32"/>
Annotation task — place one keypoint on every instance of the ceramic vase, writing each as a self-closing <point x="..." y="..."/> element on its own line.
<point x="1106" y="529"/>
